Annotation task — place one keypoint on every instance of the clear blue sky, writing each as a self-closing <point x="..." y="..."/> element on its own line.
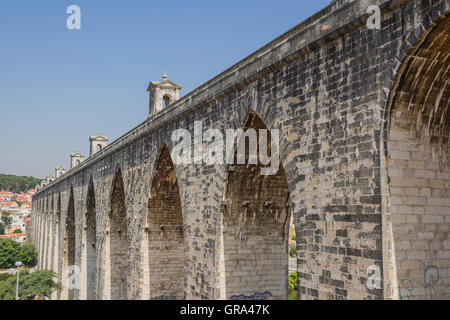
<point x="60" y="86"/>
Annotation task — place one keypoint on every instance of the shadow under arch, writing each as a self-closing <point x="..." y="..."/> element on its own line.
<point x="118" y="239"/>
<point x="165" y="231"/>
<point x="43" y="233"/>
<point x="255" y="224"/>
<point x="90" y="227"/>
<point x="69" y="249"/>
<point x="415" y="168"/>
<point x="421" y="77"/>
<point x="51" y="238"/>
<point x="58" y="247"/>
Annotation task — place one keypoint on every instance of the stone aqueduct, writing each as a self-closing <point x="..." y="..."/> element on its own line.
<point x="364" y="141"/>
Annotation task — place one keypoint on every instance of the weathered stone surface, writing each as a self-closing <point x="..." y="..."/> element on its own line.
<point x="363" y="192"/>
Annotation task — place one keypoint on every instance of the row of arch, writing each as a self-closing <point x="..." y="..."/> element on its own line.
<point x="254" y="239"/>
<point x="412" y="170"/>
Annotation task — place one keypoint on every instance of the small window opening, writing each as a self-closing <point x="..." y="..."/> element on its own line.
<point x="166" y="102"/>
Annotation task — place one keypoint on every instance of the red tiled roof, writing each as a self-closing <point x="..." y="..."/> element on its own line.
<point x="14" y="235"/>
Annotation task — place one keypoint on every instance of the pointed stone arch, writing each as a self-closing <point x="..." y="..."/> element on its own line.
<point x="34" y="220"/>
<point x="45" y="230"/>
<point x="255" y="222"/>
<point x="416" y="196"/>
<point x="90" y="278"/>
<point x="48" y="233"/>
<point x="69" y="247"/>
<point x="57" y="267"/>
<point x="165" y="232"/>
<point x="117" y="262"/>
<point x="51" y="232"/>
<point x="40" y="233"/>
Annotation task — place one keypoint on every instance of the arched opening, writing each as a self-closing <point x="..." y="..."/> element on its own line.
<point x="51" y="235"/>
<point x="99" y="148"/>
<point x="44" y="235"/>
<point x="39" y="233"/>
<point x="57" y="266"/>
<point x="39" y="236"/>
<point x="118" y="245"/>
<point x="418" y="171"/>
<point x="38" y="224"/>
<point x="255" y="226"/>
<point x="77" y="162"/>
<point x="91" y="244"/>
<point x="69" y="248"/>
<point x="49" y="248"/>
<point x="166" y="101"/>
<point x="34" y="216"/>
<point x="48" y="233"/>
<point x="165" y="232"/>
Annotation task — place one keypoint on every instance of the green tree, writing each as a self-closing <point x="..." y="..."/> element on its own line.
<point x="19" y="202"/>
<point x="2" y="229"/>
<point x="293" y="286"/>
<point x="11" y="252"/>
<point x="38" y="284"/>
<point x="17" y="184"/>
<point x="18" y="231"/>
<point x="4" y="276"/>
<point x="6" y="219"/>
<point x="27" y="254"/>
<point x="8" y="253"/>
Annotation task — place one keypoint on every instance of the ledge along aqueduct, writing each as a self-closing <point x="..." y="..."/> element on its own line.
<point x="364" y="173"/>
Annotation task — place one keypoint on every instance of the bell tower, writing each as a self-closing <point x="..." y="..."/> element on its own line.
<point x="162" y="94"/>
<point x="97" y="142"/>
<point x="59" y="171"/>
<point x="76" y="159"/>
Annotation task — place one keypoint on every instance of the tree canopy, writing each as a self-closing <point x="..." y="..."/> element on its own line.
<point x="6" y="219"/>
<point x="38" y="284"/>
<point x="11" y="252"/>
<point x="17" y="184"/>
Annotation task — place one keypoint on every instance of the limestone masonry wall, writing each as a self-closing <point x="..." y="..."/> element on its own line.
<point x="362" y="194"/>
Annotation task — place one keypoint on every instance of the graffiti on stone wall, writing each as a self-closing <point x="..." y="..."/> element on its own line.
<point x="430" y="279"/>
<point x="159" y="298"/>
<point x="436" y="285"/>
<point x="333" y="296"/>
<point x="405" y="289"/>
<point x="74" y="277"/>
<point x="374" y="280"/>
<point x="255" y="296"/>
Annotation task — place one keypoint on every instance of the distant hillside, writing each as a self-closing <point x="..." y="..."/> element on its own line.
<point x="17" y="184"/>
